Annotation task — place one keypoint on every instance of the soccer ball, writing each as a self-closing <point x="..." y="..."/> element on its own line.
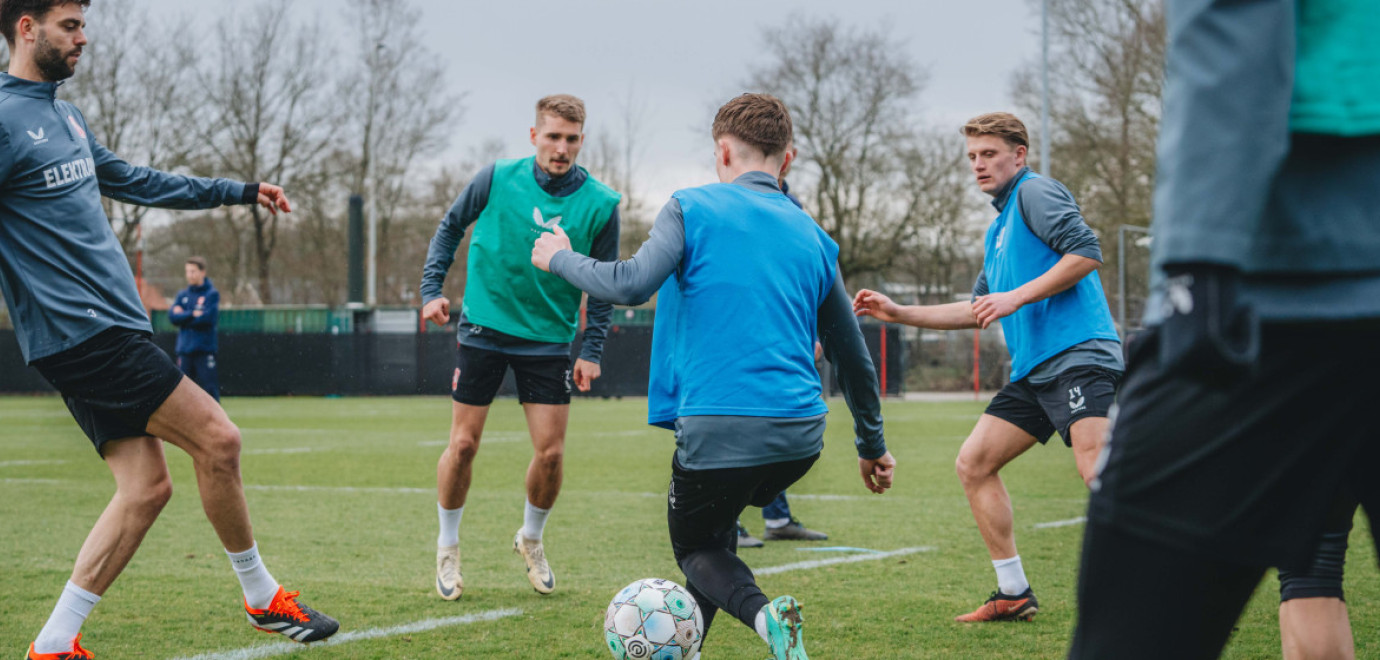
<point x="653" y="619"/>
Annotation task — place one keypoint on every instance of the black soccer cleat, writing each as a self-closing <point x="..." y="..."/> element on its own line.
<point x="292" y="619"/>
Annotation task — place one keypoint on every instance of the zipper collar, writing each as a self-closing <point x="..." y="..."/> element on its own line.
<point x="45" y="91"/>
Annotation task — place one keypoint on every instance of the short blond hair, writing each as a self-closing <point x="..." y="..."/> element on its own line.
<point x="565" y="106"/>
<point x="1001" y="124"/>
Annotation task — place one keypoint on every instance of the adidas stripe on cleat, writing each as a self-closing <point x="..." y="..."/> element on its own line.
<point x="77" y="653"/>
<point x="292" y="619"/>
<point x="1003" y="607"/>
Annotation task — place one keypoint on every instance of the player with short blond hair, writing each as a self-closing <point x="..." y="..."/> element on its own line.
<point x="1039" y="280"/>
<point x="517" y="317"/>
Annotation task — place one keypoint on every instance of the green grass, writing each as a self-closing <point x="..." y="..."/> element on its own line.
<point x="366" y="556"/>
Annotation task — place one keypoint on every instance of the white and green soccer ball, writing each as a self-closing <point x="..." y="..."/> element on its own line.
<point x="653" y="619"/>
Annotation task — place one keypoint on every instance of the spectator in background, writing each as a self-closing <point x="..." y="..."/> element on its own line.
<point x="196" y="310"/>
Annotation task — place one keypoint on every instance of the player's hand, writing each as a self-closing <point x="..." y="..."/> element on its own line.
<point x="584" y="373"/>
<point x="876" y="305"/>
<point x="437" y="311"/>
<point x="197" y="314"/>
<point x="547" y="246"/>
<point x="877" y="473"/>
<point x="177" y="309"/>
<point x="274" y="199"/>
<point x="993" y="306"/>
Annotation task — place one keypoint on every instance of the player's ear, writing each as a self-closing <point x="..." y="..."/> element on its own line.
<point x="723" y="151"/>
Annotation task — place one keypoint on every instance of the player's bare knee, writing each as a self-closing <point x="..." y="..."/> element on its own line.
<point x="221" y="451"/>
<point x="550" y="458"/>
<point x="971" y="469"/>
<point x="463" y="448"/>
<point x="147" y="498"/>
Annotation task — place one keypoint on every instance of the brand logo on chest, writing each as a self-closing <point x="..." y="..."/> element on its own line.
<point x="543" y="223"/>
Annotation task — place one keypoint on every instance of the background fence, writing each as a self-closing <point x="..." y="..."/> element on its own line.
<point x="316" y="352"/>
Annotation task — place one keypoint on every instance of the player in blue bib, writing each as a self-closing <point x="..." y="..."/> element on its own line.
<point x="733" y="368"/>
<point x="1039" y="280"/>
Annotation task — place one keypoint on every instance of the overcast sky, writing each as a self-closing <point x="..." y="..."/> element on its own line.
<point x="678" y="60"/>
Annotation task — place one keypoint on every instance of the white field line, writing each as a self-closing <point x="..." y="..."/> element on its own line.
<point x="1062" y="523"/>
<point x="280" y="450"/>
<point x="285" y="648"/>
<point x="827" y="498"/>
<point x="342" y="489"/>
<point x="5" y="464"/>
<point x="33" y="481"/>
<point x="790" y="496"/>
<point x="851" y="559"/>
<point x="486" y="440"/>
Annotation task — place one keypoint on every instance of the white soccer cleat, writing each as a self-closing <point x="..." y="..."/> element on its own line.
<point x="449" y="582"/>
<point x="538" y="572"/>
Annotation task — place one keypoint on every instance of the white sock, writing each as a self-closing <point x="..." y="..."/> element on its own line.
<point x="259" y="587"/>
<point x="776" y="523"/>
<point x="1010" y="576"/>
<point x="534" y="521"/>
<point x="73" y="606"/>
<point x="450" y="526"/>
<point x="760" y="623"/>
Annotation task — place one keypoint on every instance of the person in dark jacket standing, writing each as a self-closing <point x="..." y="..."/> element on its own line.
<point x="80" y="323"/>
<point x="197" y="311"/>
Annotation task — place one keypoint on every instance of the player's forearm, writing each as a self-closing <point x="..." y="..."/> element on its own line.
<point x="951" y="316"/>
<point x="598" y="315"/>
<point x="630" y="282"/>
<point x="845" y="349"/>
<point x="1059" y="278"/>
<point x="206" y="321"/>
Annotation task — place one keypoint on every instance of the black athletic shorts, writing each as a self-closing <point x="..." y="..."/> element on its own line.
<point x="703" y="505"/>
<point x="1042" y="409"/>
<point x="1248" y="472"/>
<point x="479" y="373"/>
<point x="112" y="383"/>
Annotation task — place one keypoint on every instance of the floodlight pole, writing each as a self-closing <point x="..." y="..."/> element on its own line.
<point x="371" y="259"/>
<point x="1121" y="278"/>
<point x="1045" y="164"/>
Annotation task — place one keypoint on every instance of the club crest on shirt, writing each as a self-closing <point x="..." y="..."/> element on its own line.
<point x="81" y="132"/>
<point x="543" y="223"/>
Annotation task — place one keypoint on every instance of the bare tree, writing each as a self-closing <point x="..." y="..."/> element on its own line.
<point x="614" y="157"/>
<point x="851" y="93"/>
<point x="1107" y="69"/>
<point x="137" y="103"/>
<point x="1107" y="77"/>
<point x="266" y="116"/>
<point x="944" y="253"/>
<point x="397" y="116"/>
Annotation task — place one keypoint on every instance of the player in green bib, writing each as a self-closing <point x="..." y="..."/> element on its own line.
<point x="516" y="316"/>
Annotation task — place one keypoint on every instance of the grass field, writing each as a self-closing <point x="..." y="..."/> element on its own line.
<point x="342" y="494"/>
